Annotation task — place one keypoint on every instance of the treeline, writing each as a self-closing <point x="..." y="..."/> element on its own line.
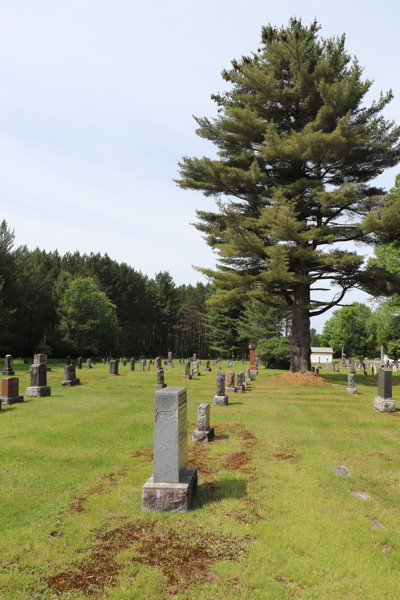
<point x="93" y="305"/>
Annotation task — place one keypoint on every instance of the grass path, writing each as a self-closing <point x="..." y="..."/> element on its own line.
<point x="270" y="519"/>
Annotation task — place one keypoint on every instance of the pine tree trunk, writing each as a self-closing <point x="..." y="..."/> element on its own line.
<point x="301" y="339"/>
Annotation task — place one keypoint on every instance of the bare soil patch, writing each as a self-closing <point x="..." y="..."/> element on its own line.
<point x="183" y="554"/>
<point x="307" y="378"/>
<point x="112" y="479"/>
<point x="237" y="461"/>
<point x="289" y="454"/>
<point x="198" y="458"/>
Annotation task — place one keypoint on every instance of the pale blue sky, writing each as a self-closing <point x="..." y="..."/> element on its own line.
<point x="96" y="110"/>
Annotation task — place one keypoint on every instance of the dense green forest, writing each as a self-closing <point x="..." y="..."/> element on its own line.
<point x="91" y="305"/>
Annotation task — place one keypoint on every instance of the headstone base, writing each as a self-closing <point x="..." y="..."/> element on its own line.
<point x="161" y="386"/>
<point x="230" y="389"/>
<point x="221" y="400"/>
<point x="240" y="388"/>
<point x="5" y="401"/>
<point x="70" y="382"/>
<point x="113" y="374"/>
<point x="38" y="391"/>
<point x="203" y="436"/>
<point x="8" y="372"/>
<point x="384" y="405"/>
<point x="187" y="377"/>
<point x="170" y="497"/>
<point x="351" y="390"/>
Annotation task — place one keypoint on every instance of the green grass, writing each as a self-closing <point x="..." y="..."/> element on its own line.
<point x="270" y="518"/>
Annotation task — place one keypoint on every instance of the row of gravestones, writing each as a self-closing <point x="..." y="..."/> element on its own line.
<point x="383" y="401"/>
<point x="173" y="483"/>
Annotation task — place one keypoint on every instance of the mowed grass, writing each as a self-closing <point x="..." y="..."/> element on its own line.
<point x="270" y="518"/>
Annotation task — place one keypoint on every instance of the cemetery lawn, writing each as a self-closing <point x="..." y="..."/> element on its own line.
<point x="270" y="519"/>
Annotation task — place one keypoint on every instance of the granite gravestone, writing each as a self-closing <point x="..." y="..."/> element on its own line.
<point x="203" y="433"/>
<point x="8" y="370"/>
<point x="384" y="402"/>
<point x="230" y="382"/>
<point x="220" y="396"/>
<point x="80" y="362"/>
<point x="253" y="359"/>
<point x="173" y="483"/>
<point x="240" y="385"/>
<point x="142" y="365"/>
<point x="38" y="387"/>
<point x="158" y="362"/>
<point x="207" y="367"/>
<point x="170" y="365"/>
<point x="187" y="374"/>
<point x="10" y="391"/>
<point x="89" y="363"/>
<point x="351" y="381"/>
<point x="70" y="376"/>
<point x="113" y="367"/>
<point x="132" y="364"/>
<point x="160" y="379"/>
<point x="195" y="369"/>
<point x="41" y="359"/>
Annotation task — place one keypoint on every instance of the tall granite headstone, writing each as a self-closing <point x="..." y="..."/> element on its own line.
<point x="8" y="370"/>
<point x="203" y="432"/>
<point x="170" y="365"/>
<point x="351" y="381"/>
<point x="173" y="483"/>
<point x="220" y="397"/>
<point x="230" y="382"/>
<point x="187" y="374"/>
<point x="160" y="384"/>
<point x="132" y="364"/>
<point x="89" y="363"/>
<point x="384" y="401"/>
<point x="38" y="387"/>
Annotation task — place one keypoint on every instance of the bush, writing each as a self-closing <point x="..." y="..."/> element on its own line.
<point x="276" y="352"/>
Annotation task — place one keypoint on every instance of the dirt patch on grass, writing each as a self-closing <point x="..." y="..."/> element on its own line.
<point x="249" y="439"/>
<point x="308" y="378"/>
<point x="183" y="554"/>
<point x="198" y="458"/>
<point x="289" y="454"/>
<point x="145" y="453"/>
<point x="249" y="515"/>
<point x="112" y="479"/>
<point x="237" y="461"/>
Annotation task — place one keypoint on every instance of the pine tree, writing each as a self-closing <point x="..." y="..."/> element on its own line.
<point x="296" y="152"/>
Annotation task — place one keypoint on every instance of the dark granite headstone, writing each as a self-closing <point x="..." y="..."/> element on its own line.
<point x="113" y="367"/>
<point x="38" y="387"/>
<point x="384" y="401"/>
<point x="70" y="376"/>
<point x="8" y="366"/>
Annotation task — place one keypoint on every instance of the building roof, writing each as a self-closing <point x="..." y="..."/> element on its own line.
<point x="322" y="350"/>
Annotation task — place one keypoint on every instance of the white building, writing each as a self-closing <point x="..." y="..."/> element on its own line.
<point x="322" y="355"/>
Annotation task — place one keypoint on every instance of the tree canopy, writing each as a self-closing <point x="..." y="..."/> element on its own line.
<point x="297" y="152"/>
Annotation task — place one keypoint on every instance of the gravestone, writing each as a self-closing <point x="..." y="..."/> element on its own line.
<point x="351" y="381"/>
<point x="194" y="357"/>
<point x="230" y="382"/>
<point x="317" y="369"/>
<point x="220" y="396"/>
<point x="89" y="363"/>
<point x="373" y="369"/>
<point x="158" y="362"/>
<point x="170" y="365"/>
<point x="160" y="379"/>
<point x="124" y="362"/>
<point x="148" y="363"/>
<point x="10" y="391"/>
<point x="195" y="369"/>
<point x="132" y="365"/>
<point x="38" y="387"/>
<point x="142" y="365"/>
<point x="384" y="402"/>
<point x="41" y="359"/>
<point x="70" y="376"/>
<point x="207" y="367"/>
<point x="113" y="367"/>
<point x="80" y="362"/>
<point x="203" y="432"/>
<point x="240" y="385"/>
<point x="186" y="368"/>
<point x="8" y="370"/>
<point x="68" y="360"/>
<point x="253" y="360"/>
<point x="173" y="483"/>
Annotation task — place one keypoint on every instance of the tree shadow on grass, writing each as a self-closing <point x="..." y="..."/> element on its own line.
<point x="215" y="491"/>
<point x="233" y="403"/>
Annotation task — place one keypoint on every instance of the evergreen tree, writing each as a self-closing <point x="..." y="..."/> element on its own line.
<point x="166" y="313"/>
<point x="258" y="321"/>
<point x="296" y="152"/>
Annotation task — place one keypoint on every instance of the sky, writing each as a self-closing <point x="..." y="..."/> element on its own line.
<point x="96" y="109"/>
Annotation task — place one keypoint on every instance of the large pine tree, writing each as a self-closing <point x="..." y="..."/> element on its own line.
<point x="297" y="150"/>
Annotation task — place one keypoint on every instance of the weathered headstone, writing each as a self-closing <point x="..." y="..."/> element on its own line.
<point x="240" y="384"/>
<point x="195" y="369"/>
<point x="160" y="379"/>
<point x="230" y="382"/>
<point x="38" y="387"/>
<point x="203" y="432"/>
<point x="187" y="374"/>
<point x="89" y="363"/>
<point x="170" y="365"/>
<point x="132" y="365"/>
<point x="8" y="370"/>
<point x="113" y="367"/>
<point x="384" y="401"/>
<point x="194" y="357"/>
<point x="158" y="362"/>
<point x="220" y="397"/>
<point x="10" y="391"/>
<point x="70" y="376"/>
<point x="80" y="362"/>
<point x="351" y="381"/>
<point x="41" y="359"/>
<point x="68" y="360"/>
<point x="173" y="483"/>
<point x="142" y="364"/>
